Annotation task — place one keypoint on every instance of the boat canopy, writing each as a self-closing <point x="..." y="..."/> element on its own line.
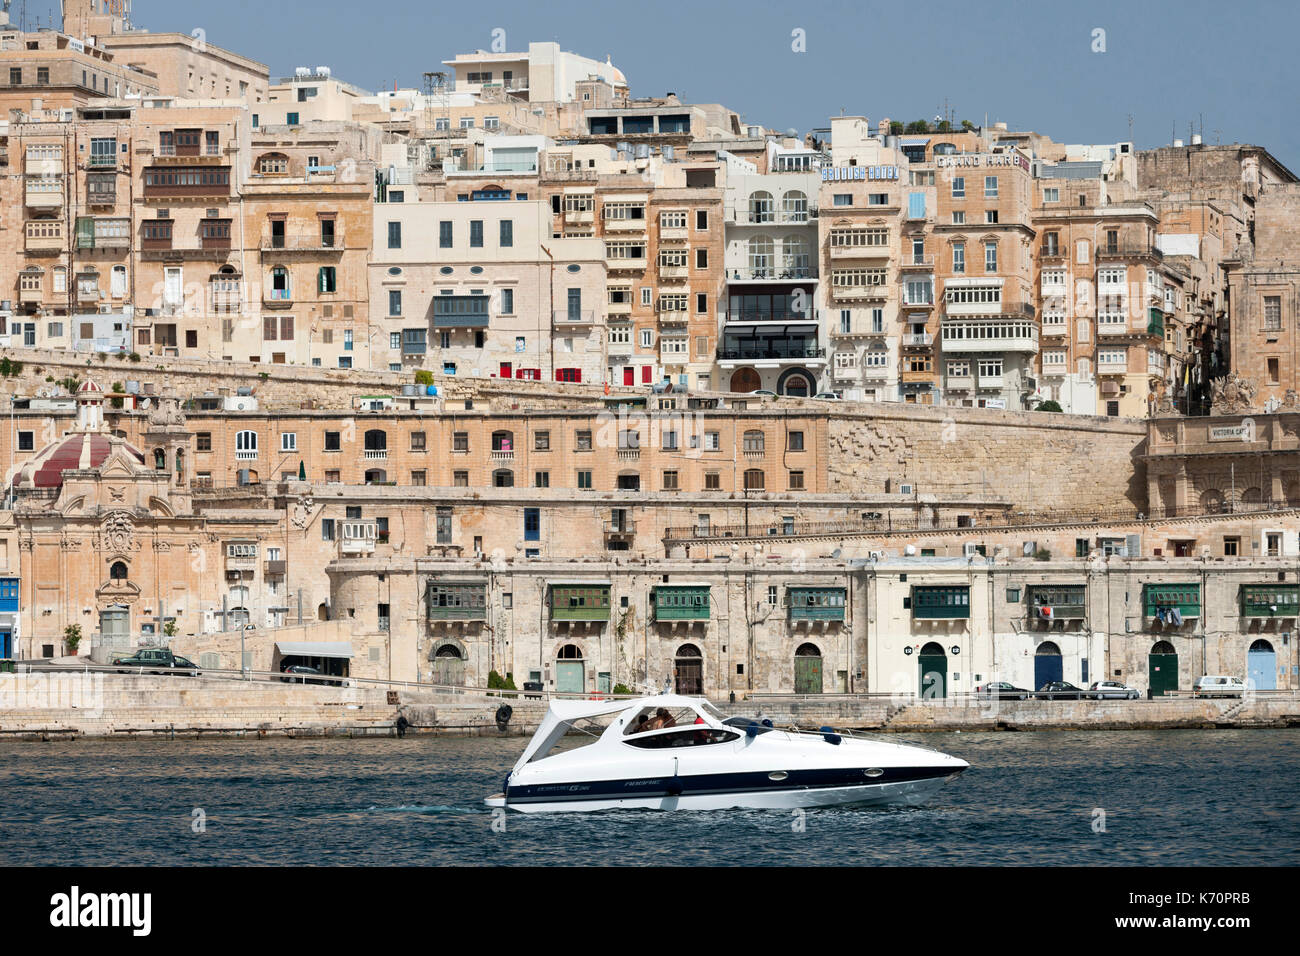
<point x="563" y="714"/>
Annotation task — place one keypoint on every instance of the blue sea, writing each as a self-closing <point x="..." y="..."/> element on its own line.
<point x="1193" y="797"/>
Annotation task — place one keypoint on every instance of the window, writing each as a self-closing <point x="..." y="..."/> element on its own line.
<point x="959" y="257"/>
<point x="842" y="199"/>
<point x="26" y="441"/>
<point x="755" y="480"/>
<point x="327" y="279"/>
<point x="1272" y="313"/>
<point x="541" y="479"/>
<point x="959" y="187"/>
<point x="532" y="524"/>
<point x="507" y="233"/>
<point x="1052" y="195"/>
<point x="394" y="301"/>
<point x="332" y="441"/>
<point x="288" y="441"/>
<point x="246" y="444"/>
<point x="754" y="441"/>
<point x="394" y="235"/>
<point x="418" y="441"/>
<point x="444" y="235"/>
<point x="584" y="480"/>
<point x="460" y="442"/>
<point x="712" y="481"/>
<point x="990" y="187"/>
<point x="670" y="481"/>
<point x="476" y="233"/>
<point x="990" y="257"/>
<point x="796" y="481"/>
<point x="582" y="440"/>
<point x="796" y="441"/>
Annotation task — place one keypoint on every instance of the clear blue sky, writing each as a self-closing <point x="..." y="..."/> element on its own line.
<point x="1234" y="64"/>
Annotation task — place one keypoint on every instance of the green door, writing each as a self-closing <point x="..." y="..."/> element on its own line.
<point x="807" y="674"/>
<point x="934" y="674"/>
<point x="569" y="677"/>
<point x="1162" y="673"/>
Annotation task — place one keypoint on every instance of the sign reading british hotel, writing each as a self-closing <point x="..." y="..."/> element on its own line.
<point x="859" y="172"/>
<point x="983" y="159"/>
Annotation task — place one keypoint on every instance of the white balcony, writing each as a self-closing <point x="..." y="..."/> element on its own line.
<point x="990" y="381"/>
<point x="918" y="338"/>
<point x="959" y="383"/>
<point x="376" y="454"/>
<point x="246" y="455"/>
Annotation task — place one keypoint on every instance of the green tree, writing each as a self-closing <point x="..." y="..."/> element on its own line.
<point x="1049" y="406"/>
<point x="72" y="637"/>
<point x="918" y="126"/>
<point x="896" y="128"/>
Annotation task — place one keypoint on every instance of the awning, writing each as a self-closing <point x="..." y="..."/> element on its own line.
<point x="341" y="649"/>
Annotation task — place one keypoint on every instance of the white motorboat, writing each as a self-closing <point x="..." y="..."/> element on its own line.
<point x="680" y="753"/>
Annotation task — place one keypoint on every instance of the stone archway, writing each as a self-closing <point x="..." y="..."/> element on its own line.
<point x="745" y="380"/>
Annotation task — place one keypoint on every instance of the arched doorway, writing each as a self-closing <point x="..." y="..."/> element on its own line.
<point x="376" y="476"/>
<point x="795" y="382"/>
<point x="1048" y="665"/>
<point x="448" y="666"/>
<point x="1261" y="665"/>
<point x="1162" y="668"/>
<point x="934" y="671"/>
<point x="1252" y="498"/>
<point x="688" y="672"/>
<point x="1211" y="501"/>
<point x="570" y="672"/>
<point x="323" y="612"/>
<point x="745" y="380"/>
<point x="808" y="669"/>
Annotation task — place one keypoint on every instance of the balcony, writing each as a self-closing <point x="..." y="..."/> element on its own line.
<point x="1027" y="342"/>
<point x="989" y="381"/>
<point x="618" y="308"/>
<point x="619" y="264"/>
<point x="573" y="317"/>
<point x="1055" y="368"/>
<point x="248" y="455"/>
<point x="771" y="352"/>
<point x="306" y="242"/>
<point x="772" y="274"/>
<point x="677" y="273"/>
<point x="375" y="454"/>
<point x="625" y="528"/>
<point x="865" y="293"/>
<point x="29" y="296"/>
<point x="274" y="569"/>
<point x="102" y="197"/>
<point x="861" y="252"/>
<point x="501" y="454"/>
<point x="917" y="339"/>
<point x="358" y="537"/>
<point x="44" y="165"/>
<point x="277" y="298"/>
<point x="45" y="195"/>
<point x="959" y="383"/>
<point x="629" y="454"/>
<point x="624" y="225"/>
<point x="916" y="262"/>
<point x="42" y="244"/>
<point x="673" y="234"/>
<point x="910" y="377"/>
<point x="579" y="217"/>
<point x="1129" y="252"/>
<point x="1112" y="367"/>
<point x="1054" y="328"/>
<point x="745" y="216"/>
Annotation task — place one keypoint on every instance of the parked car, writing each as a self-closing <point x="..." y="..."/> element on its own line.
<point x="764" y="393"/>
<point x="1059" y="690"/>
<point x="1218" y="685"/>
<point x="1001" y="690"/>
<point x="300" y="674"/>
<point x="827" y="396"/>
<point x="158" y="658"/>
<point x="1112" y="690"/>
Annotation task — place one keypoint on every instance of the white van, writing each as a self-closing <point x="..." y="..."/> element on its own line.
<point x="1218" y="685"/>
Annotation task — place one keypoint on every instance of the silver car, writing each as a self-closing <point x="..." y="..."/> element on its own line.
<point x="1112" y="690"/>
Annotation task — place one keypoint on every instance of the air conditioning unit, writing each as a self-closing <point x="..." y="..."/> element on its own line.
<point x="970" y="549"/>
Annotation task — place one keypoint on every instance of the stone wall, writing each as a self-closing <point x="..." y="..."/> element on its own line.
<point x="1038" y="460"/>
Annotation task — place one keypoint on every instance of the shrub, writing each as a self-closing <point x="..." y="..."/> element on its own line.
<point x="497" y="682"/>
<point x="134" y="356"/>
<point x="1043" y="554"/>
<point x="72" y="637"/>
<point x="423" y="377"/>
<point x="621" y="688"/>
<point x="1049" y="406"/>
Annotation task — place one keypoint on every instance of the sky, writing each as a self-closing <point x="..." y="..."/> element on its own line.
<point x="1229" y="68"/>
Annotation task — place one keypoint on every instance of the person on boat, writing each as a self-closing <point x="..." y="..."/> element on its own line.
<point x="639" y="725"/>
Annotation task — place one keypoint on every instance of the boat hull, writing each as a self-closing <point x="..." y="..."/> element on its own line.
<point x="913" y="792"/>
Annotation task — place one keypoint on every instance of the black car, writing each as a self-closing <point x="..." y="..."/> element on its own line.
<point x="300" y="674"/>
<point x="1059" y="690"/>
<point x="154" y="659"/>
<point x="1001" y="690"/>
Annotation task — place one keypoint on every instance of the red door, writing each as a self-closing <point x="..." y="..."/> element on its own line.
<point x="629" y="375"/>
<point x="505" y="369"/>
<point x="646" y="372"/>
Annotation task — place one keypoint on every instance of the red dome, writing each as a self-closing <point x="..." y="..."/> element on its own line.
<point x="77" y="451"/>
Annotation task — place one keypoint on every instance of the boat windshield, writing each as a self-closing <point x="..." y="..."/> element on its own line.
<point x="659" y="718"/>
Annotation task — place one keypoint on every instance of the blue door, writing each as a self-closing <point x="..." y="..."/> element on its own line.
<point x="1261" y="665"/>
<point x="6" y="645"/>
<point x="1048" y="665"/>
